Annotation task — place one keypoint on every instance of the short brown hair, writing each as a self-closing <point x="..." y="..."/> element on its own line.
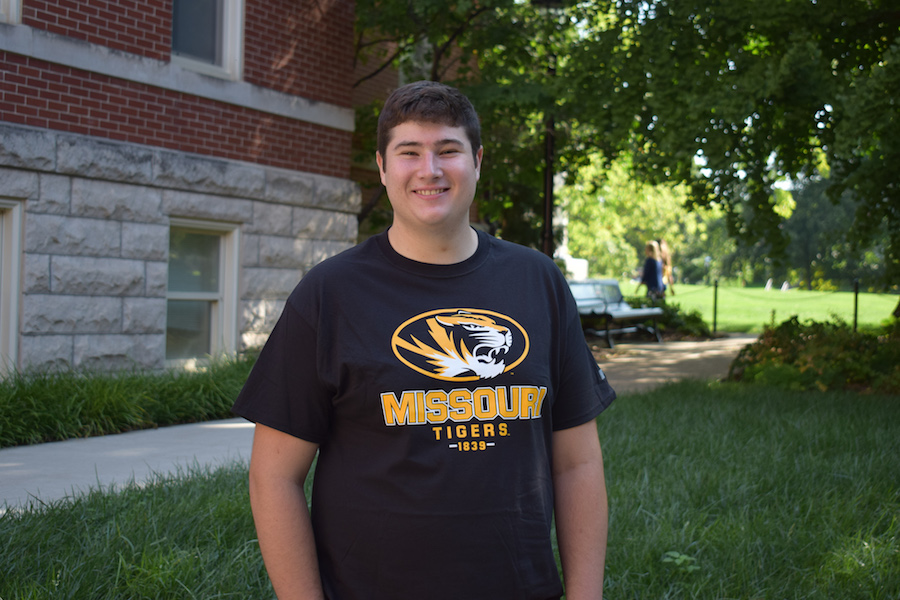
<point x="428" y="102"/>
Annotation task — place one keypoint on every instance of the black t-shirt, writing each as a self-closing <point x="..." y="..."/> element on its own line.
<point x="433" y="392"/>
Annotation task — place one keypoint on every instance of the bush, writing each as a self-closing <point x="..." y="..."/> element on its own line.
<point x="683" y="322"/>
<point x="675" y="321"/>
<point x="49" y="406"/>
<point x="822" y="356"/>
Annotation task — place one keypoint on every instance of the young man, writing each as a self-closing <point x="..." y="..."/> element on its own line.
<point x="443" y="378"/>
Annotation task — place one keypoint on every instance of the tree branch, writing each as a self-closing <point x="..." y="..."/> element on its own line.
<point x="369" y="205"/>
<point x="440" y="51"/>
<point x="384" y="65"/>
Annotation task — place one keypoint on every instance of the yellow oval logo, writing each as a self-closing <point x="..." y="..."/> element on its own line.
<point x="460" y="344"/>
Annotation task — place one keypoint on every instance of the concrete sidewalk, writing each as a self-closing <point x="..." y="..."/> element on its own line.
<point x="52" y="471"/>
<point x="640" y="366"/>
<point x="56" y="470"/>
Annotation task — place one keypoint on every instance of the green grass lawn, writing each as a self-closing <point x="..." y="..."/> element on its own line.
<point x="749" y="309"/>
<point x="716" y="491"/>
<point x="760" y="492"/>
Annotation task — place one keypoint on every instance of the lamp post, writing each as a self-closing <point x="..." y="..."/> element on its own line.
<point x="547" y="245"/>
<point x="547" y="7"/>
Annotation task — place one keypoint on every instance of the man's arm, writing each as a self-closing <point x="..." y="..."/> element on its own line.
<point x="582" y="514"/>
<point x="278" y="467"/>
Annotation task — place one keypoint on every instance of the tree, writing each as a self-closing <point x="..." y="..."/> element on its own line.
<point x="422" y="39"/>
<point x="727" y="96"/>
<point x="733" y="96"/>
<point x="507" y="56"/>
<point x="426" y="39"/>
<point x="612" y="215"/>
<point x="818" y="245"/>
<point x="597" y="228"/>
<point x="516" y="94"/>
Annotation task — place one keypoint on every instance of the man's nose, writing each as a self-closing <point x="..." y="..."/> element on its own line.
<point x="431" y="165"/>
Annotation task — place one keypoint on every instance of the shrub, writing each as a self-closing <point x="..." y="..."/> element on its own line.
<point x="812" y="355"/>
<point x="684" y="322"/>
<point x="48" y="406"/>
<point x="675" y="321"/>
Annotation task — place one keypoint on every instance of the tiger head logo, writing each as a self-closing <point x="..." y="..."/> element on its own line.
<point x="460" y="344"/>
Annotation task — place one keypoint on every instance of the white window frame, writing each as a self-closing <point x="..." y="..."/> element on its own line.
<point x="11" y="11"/>
<point x="11" y="212"/>
<point x="224" y="318"/>
<point x="232" y="46"/>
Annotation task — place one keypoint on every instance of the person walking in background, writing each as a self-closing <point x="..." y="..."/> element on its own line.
<point x="651" y="274"/>
<point x="668" y="275"/>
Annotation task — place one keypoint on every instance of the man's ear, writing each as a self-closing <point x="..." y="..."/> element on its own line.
<point x="478" y="156"/>
<point x="379" y="160"/>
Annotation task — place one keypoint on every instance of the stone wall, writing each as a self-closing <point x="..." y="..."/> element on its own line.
<point x="95" y="241"/>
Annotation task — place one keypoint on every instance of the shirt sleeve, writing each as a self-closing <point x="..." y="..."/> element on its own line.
<point x="284" y="390"/>
<point x="584" y="391"/>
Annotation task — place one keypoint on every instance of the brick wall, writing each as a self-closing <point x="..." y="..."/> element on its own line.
<point x="301" y="47"/>
<point x="102" y="149"/>
<point x="297" y="47"/>
<point x="46" y="95"/>
<point x="141" y="27"/>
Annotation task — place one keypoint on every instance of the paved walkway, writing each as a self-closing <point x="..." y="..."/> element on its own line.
<point x="52" y="471"/>
<point x="634" y="367"/>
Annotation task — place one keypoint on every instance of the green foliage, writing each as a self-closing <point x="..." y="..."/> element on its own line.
<point x="519" y="90"/>
<point x="821" y="254"/>
<point x="759" y="90"/>
<point x="729" y="98"/>
<point x="675" y="321"/>
<point x="771" y="493"/>
<point x="682" y="562"/>
<point x="867" y="130"/>
<point x="420" y="37"/>
<point x="684" y="322"/>
<point x="822" y="356"/>
<point x="611" y="216"/>
<point x="47" y="406"/>
<point x="514" y="60"/>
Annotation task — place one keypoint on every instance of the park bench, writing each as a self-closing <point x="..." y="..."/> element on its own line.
<point x="600" y="301"/>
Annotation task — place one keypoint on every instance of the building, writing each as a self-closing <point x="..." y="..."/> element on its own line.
<point x="169" y="169"/>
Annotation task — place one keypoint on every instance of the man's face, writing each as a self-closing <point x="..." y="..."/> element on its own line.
<point x="430" y="175"/>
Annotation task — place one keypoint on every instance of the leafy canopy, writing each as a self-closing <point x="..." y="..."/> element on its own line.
<point x="733" y="96"/>
<point x="728" y="97"/>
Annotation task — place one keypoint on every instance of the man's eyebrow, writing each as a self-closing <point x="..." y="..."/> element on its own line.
<point x="416" y="144"/>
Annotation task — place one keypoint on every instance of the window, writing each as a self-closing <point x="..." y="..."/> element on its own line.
<point x="10" y="256"/>
<point x="201" y="312"/>
<point x="11" y="11"/>
<point x="207" y="36"/>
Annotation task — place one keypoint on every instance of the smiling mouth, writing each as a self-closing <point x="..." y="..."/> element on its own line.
<point x="431" y="192"/>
